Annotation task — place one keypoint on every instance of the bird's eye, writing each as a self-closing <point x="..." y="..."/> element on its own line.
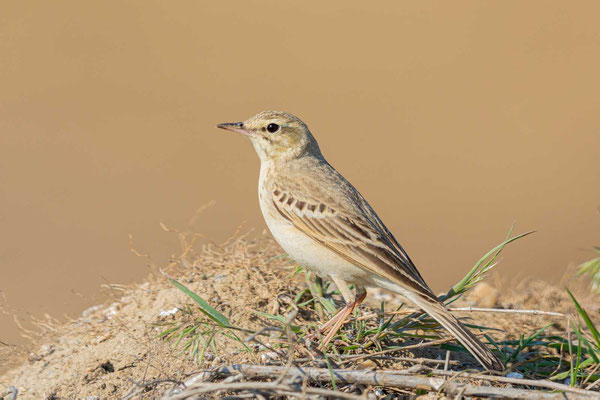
<point x="272" y="128"/>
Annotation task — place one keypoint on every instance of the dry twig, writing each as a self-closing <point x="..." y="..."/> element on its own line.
<point x="261" y="387"/>
<point x="464" y="309"/>
<point x="395" y="379"/>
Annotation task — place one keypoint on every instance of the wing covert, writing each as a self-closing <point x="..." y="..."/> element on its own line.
<point x="351" y="235"/>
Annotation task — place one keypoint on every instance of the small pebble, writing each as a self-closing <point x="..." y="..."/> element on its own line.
<point x="436" y="383"/>
<point x="89" y="311"/>
<point x="166" y="313"/>
<point x="514" y="375"/>
<point x="567" y="381"/>
<point x="269" y="356"/>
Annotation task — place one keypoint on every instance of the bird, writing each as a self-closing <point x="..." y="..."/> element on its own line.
<point x="327" y="226"/>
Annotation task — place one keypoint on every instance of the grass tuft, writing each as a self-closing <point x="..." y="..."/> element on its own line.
<point x="592" y="269"/>
<point x="195" y="334"/>
<point x="482" y="267"/>
<point x="583" y="349"/>
<point x="573" y="357"/>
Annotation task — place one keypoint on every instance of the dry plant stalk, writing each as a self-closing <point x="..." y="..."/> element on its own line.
<point x="395" y="379"/>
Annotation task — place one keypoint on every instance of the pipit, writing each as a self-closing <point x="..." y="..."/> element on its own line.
<point x="327" y="226"/>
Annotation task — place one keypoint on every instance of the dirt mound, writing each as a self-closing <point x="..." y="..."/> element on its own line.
<point x="114" y="346"/>
<point x="153" y="339"/>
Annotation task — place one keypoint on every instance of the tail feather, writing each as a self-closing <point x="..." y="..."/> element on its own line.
<point x="459" y="331"/>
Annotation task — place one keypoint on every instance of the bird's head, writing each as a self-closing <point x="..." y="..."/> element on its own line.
<point x="276" y="136"/>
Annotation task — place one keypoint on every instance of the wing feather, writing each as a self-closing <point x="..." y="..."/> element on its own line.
<point x="355" y="237"/>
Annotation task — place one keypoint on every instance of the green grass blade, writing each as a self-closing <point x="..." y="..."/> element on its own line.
<point x="561" y="376"/>
<point x="204" y="306"/>
<point x="592" y="268"/>
<point x="527" y="342"/>
<point x="577" y="368"/>
<point x="330" y="368"/>
<point x="586" y="319"/>
<point x="278" y="318"/>
<point x="497" y="346"/>
<point x="492" y="253"/>
<point x="204" y="347"/>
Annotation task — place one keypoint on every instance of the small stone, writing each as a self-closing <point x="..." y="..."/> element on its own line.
<point x="436" y="383"/>
<point x="567" y="381"/>
<point x="515" y="375"/>
<point x="269" y="356"/>
<point x="91" y="310"/>
<point x="100" y="339"/>
<point x="166" y="313"/>
<point x="44" y="351"/>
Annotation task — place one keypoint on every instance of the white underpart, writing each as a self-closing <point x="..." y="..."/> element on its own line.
<point x="306" y="251"/>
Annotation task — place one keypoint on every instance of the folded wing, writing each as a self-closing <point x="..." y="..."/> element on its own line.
<point x="363" y="241"/>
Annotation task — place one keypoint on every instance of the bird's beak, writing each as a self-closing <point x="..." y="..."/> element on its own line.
<point x="235" y="127"/>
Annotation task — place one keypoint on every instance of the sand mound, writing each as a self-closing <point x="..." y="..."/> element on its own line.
<point x="115" y="350"/>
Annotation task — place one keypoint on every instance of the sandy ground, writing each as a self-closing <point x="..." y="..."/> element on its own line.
<point x="114" y="349"/>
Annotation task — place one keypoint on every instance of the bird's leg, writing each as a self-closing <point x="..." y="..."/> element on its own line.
<point x="327" y="325"/>
<point x="361" y="293"/>
<point x="338" y="320"/>
<point x="348" y="299"/>
<point x="341" y="319"/>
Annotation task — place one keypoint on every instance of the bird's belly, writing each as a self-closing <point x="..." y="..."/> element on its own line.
<point x="313" y="255"/>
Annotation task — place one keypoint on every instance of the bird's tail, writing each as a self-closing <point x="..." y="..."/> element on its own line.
<point x="436" y="310"/>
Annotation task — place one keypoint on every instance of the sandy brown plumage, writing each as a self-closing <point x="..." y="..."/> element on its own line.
<point x="324" y="223"/>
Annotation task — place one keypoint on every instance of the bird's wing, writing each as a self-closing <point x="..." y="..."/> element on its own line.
<point x="352" y="230"/>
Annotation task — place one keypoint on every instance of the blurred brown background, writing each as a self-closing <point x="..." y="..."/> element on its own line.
<point x="453" y="119"/>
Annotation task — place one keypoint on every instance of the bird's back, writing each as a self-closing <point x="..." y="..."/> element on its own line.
<point x="315" y="192"/>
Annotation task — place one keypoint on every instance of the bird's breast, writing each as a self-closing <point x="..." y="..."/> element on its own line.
<point x="306" y="251"/>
